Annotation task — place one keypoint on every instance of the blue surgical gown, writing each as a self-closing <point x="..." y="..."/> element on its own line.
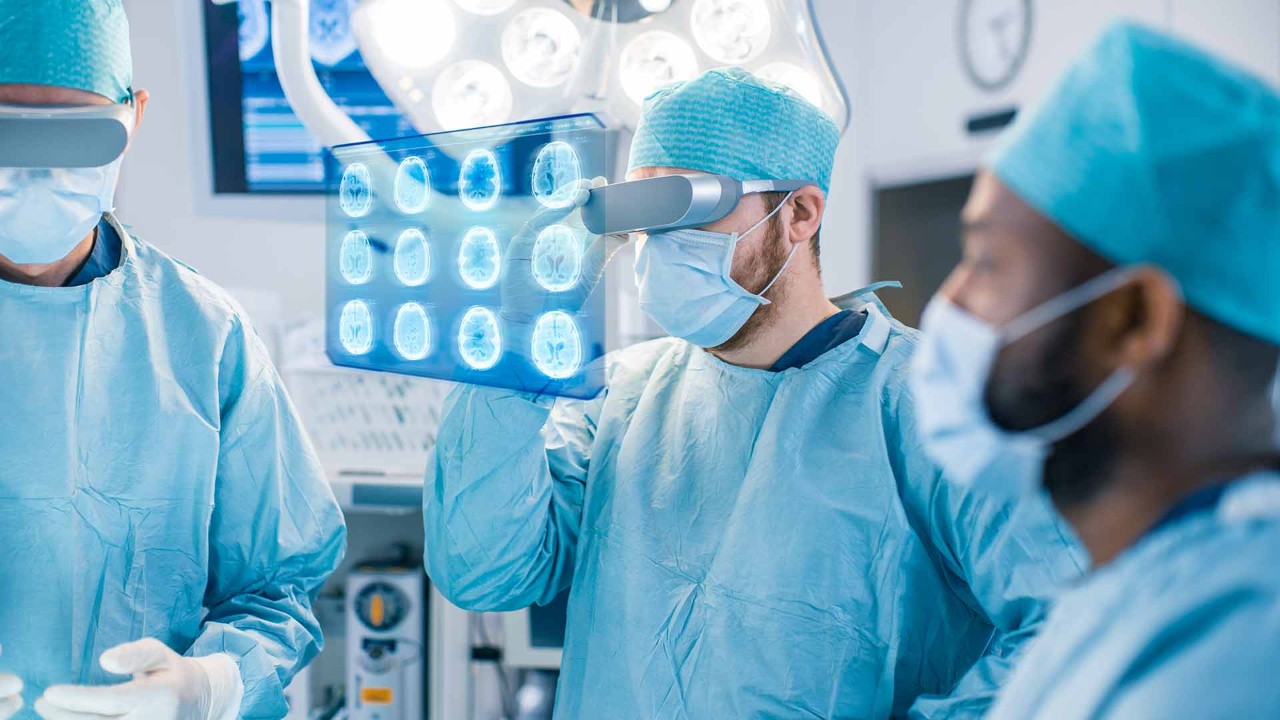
<point x="741" y="543"/>
<point x="1184" y="624"/>
<point x="154" y="482"/>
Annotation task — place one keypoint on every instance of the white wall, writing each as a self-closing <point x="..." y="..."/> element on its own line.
<point x="164" y="189"/>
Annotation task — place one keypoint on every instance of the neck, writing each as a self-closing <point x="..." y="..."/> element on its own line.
<point x="800" y="305"/>
<point x="54" y="274"/>
<point x="1145" y="481"/>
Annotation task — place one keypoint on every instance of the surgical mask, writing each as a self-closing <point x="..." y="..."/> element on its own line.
<point x="949" y="378"/>
<point x="45" y="213"/>
<point x="686" y="288"/>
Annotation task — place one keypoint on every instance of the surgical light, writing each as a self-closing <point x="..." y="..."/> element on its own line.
<point x="655" y="6"/>
<point x="480" y="182"/>
<point x="412" y="332"/>
<point x="471" y="93"/>
<point x="654" y="59"/>
<point x="479" y="259"/>
<point x="557" y="345"/>
<point x="480" y="338"/>
<point x="541" y="47"/>
<point x="412" y="34"/>
<point x="486" y="7"/>
<point x="804" y="83"/>
<point x="731" y="31"/>
<point x="413" y="186"/>
<point x="412" y="259"/>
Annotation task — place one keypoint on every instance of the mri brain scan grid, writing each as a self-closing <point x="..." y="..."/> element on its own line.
<point x="424" y="273"/>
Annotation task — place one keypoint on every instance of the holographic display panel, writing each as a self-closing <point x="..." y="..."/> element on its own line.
<point x="433" y="268"/>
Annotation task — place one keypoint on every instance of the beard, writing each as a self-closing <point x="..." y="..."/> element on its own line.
<point x="762" y="266"/>
<point x="1039" y="382"/>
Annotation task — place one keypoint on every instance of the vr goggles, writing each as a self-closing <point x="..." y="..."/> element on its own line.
<point x="671" y="202"/>
<point x="68" y="136"/>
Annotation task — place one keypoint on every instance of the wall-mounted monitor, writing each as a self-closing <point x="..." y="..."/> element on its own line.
<point x="258" y="144"/>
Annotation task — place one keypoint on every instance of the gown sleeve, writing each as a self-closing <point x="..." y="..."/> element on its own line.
<point x="276" y="533"/>
<point x="505" y="487"/>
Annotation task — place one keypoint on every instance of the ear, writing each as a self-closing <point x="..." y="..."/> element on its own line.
<point x="1155" y="321"/>
<point x="140" y="100"/>
<point x="807" y="206"/>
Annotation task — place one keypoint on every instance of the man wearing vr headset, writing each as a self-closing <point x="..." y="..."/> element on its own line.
<point x="163" y="515"/>
<point x="744" y="520"/>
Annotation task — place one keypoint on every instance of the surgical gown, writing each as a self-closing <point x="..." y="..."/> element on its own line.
<point x="741" y="543"/>
<point x="154" y="482"/>
<point x="1185" y="624"/>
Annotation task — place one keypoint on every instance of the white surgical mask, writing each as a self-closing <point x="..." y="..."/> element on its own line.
<point x="949" y="379"/>
<point x="686" y="287"/>
<point x="45" y="213"/>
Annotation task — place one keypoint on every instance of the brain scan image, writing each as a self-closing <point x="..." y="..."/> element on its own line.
<point x="412" y="332"/>
<point x="355" y="327"/>
<point x="480" y="339"/>
<point x="557" y="258"/>
<point x="479" y="259"/>
<point x="412" y="260"/>
<point x="331" y="37"/>
<point x="556" y="172"/>
<point x="413" y="186"/>
<point x="557" y="346"/>
<point x="355" y="193"/>
<point x="254" y="29"/>
<point x="355" y="258"/>
<point x="480" y="182"/>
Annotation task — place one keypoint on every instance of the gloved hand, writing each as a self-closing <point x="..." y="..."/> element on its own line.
<point x="523" y="298"/>
<point x="10" y="695"/>
<point x="165" y="686"/>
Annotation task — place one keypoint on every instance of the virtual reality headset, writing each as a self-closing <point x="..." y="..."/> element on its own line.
<point x="63" y="136"/>
<point x="671" y="202"/>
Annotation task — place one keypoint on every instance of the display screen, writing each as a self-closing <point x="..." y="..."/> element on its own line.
<point x="461" y="256"/>
<point x="259" y="145"/>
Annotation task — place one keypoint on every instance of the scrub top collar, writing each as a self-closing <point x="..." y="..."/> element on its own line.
<point x="873" y="339"/>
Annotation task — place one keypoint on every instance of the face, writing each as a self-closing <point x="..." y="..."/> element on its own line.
<point x="757" y="258"/>
<point x="42" y="95"/>
<point x="1013" y="261"/>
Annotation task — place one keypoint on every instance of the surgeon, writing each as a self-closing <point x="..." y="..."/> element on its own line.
<point x="165" y="522"/>
<point x="744" y="520"/>
<point x="1110" y="337"/>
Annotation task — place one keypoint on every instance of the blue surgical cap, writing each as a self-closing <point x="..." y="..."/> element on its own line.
<point x="729" y="122"/>
<point x="1150" y="151"/>
<point x="79" y="44"/>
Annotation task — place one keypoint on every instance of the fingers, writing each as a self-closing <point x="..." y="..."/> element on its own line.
<point x="9" y="706"/>
<point x="10" y="685"/>
<point x="135" y="657"/>
<point x="49" y="711"/>
<point x="84" y="701"/>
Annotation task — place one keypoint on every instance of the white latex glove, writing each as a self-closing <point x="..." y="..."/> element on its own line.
<point x="165" y="686"/>
<point x="10" y="695"/>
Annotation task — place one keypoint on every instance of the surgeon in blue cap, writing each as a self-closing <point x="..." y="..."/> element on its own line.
<point x="1111" y="337"/>
<point x="745" y="522"/>
<point x="164" y="520"/>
